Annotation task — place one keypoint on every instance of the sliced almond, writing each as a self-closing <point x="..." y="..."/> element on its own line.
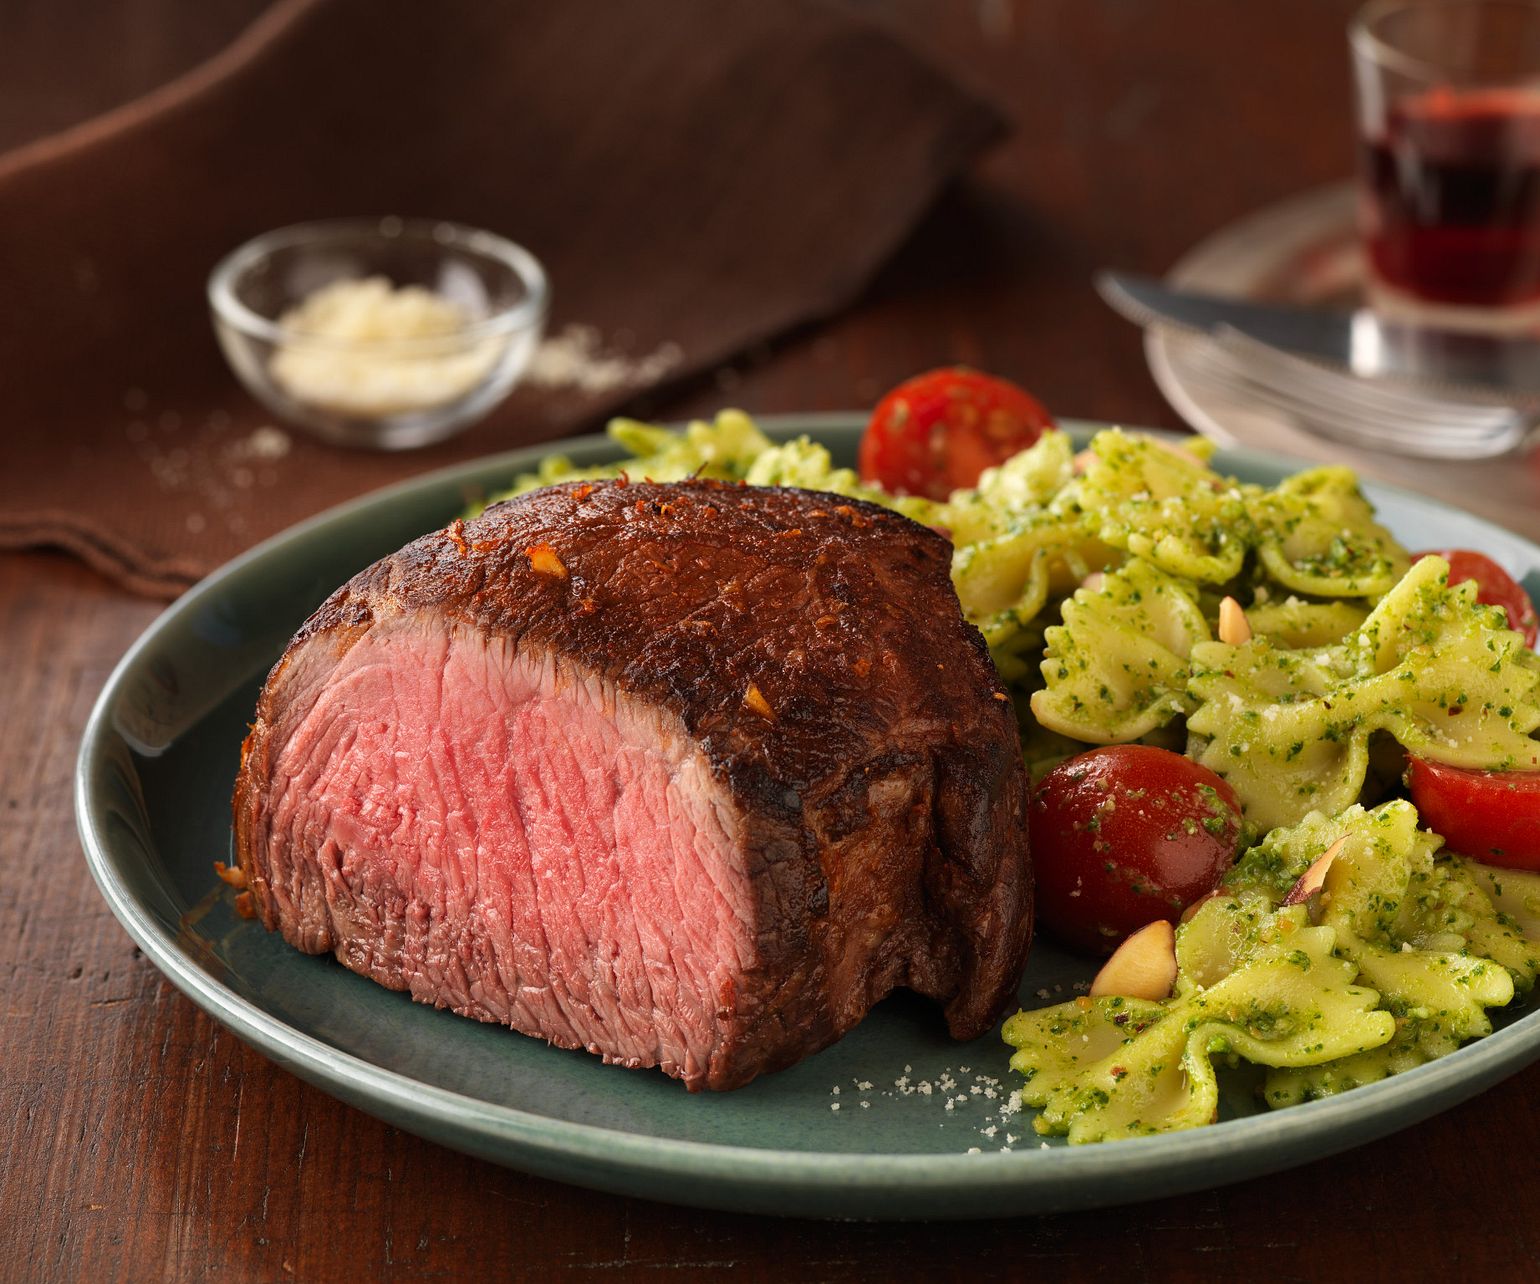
<point x="1143" y="967"/>
<point x="1314" y="878"/>
<point x="1234" y="629"/>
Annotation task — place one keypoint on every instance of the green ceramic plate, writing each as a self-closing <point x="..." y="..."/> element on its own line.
<point x="152" y="799"/>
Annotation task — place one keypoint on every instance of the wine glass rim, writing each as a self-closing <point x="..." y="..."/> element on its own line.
<point x="1367" y="41"/>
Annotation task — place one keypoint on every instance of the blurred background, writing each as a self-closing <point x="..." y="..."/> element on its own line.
<point x="1133" y="128"/>
<point x="881" y="186"/>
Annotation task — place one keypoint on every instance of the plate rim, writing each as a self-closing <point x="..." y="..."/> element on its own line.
<point x="1276" y="1139"/>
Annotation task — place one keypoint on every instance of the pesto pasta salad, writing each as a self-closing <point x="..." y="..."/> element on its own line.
<point x="1285" y="770"/>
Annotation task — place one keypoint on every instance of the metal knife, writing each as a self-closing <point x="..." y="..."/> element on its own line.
<point x="1360" y="341"/>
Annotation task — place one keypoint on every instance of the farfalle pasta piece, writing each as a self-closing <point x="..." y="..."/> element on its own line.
<point x="725" y="449"/>
<point x="1003" y="582"/>
<point x="1106" y="1068"/>
<point x="1291" y="1085"/>
<point x="1165" y="506"/>
<point x="1297" y="624"/>
<point x="803" y="463"/>
<point x="1407" y="920"/>
<point x="1271" y="867"/>
<point x="1024" y="483"/>
<point x="1457" y="905"/>
<point x="1438" y="1001"/>
<point x="1117" y="667"/>
<point x="1514" y="894"/>
<point x="1220" y="935"/>
<point x="1264" y="720"/>
<point x="1419" y="930"/>
<point x="1317" y="534"/>
<point x="1015" y="646"/>
<point x="1290" y="729"/>
<point x="1391" y="888"/>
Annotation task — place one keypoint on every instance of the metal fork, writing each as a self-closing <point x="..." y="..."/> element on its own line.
<point x="1358" y="411"/>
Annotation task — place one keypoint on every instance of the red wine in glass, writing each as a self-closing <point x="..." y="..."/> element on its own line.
<point x="1454" y="197"/>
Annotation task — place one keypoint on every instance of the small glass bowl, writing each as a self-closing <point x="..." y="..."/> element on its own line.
<point x="380" y="394"/>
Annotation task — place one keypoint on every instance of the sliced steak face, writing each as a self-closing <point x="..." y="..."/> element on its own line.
<point x="687" y="775"/>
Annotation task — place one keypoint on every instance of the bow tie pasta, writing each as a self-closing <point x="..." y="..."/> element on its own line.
<point x="1398" y="965"/>
<point x="1104" y="1068"/>
<point x="1317" y="534"/>
<point x="1290" y="729"/>
<point x="1116" y="668"/>
<point x="1164" y="506"/>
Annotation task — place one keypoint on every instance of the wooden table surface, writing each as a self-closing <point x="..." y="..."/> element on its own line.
<point x="140" y="1141"/>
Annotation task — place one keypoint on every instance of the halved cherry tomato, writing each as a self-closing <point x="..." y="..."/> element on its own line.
<point x="938" y="431"/>
<point x="1124" y="835"/>
<point x="1494" y="587"/>
<point x="1490" y="816"/>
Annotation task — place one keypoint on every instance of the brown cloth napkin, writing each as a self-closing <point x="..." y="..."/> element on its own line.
<point x="696" y="177"/>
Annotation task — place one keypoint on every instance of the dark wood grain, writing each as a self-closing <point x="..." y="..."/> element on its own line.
<point x="140" y="1141"/>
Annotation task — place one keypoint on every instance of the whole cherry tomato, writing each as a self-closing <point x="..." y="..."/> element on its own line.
<point x="1124" y="835"/>
<point x="1491" y="816"/>
<point x="938" y="431"/>
<point x="1494" y="587"/>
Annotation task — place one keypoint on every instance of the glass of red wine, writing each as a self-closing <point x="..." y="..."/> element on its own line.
<point x="1449" y="129"/>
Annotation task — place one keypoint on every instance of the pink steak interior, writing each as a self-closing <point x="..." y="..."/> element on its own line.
<point x="553" y="855"/>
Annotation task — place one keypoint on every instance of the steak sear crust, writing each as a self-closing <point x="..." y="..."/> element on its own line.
<point x="688" y="775"/>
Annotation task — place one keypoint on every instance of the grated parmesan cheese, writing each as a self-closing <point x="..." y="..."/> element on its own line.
<point x="379" y="356"/>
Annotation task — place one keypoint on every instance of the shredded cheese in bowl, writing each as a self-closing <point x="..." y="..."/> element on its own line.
<point x="380" y="350"/>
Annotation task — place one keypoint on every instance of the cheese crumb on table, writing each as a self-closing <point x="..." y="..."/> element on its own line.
<point x="578" y="360"/>
<point x="377" y="354"/>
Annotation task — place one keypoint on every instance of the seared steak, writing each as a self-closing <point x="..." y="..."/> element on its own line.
<point x="687" y="775"/>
